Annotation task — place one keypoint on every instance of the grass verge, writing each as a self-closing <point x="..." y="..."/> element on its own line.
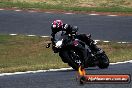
<point x="68" y="5"/>
<point x="23" y="53"/>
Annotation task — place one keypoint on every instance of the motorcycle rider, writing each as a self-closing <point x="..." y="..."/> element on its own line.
<point x="58" y="25"/>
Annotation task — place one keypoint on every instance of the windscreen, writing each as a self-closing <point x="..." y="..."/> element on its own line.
<point x="59" y="35"/>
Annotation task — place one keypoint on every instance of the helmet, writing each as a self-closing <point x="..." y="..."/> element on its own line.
<point x="57" y="25"/>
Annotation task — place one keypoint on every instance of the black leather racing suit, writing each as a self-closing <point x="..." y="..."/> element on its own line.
<point x="68" y="28"/>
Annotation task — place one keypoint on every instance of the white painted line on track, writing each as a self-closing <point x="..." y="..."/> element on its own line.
<point x="106" y="41"/>
<point x="17" y="10"/>
<point x="53" y="70"/>
<point x="32" y="11"/>
<point x="97" y="40"/>
<point x="39" y="71"/>
<point x="45" y="36"/>
<point x="124" y="42"/>
<point x="1" y="9"/>
<point x="31" y="35"/>
<point x="93" y="14"/>
<point x="130" y="61"/>
<point x="119" y="42"/>
<point x="47" y="12"/>
<point x="68" y="13"/>
<point x="112" y="15"/>
<point x="13" y="34"/>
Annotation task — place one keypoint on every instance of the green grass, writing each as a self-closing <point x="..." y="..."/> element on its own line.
<point x="20" y="53"/>
<point x="70" y="5"/>
<point x="117" y="52"/>
<point x="23" y="53"/>
<point x="81" y="3"/>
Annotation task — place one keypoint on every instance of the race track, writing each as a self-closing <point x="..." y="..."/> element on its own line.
<point x="63" y="79"/>
<point x="113" y="28"/>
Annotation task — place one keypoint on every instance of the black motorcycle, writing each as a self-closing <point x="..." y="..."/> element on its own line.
<point x="77" y="53"/>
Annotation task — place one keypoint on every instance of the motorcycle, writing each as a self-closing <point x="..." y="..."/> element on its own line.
<point x="77" y="53"/>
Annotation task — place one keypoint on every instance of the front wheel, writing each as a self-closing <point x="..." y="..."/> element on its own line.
<point x="103" y="61"/>
<point x="75" y="59"/>
<point x="71" y="57"/>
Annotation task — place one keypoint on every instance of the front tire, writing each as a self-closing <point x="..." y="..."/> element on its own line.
<point x="67" y="58"/>
<point x="75" y="55"/>
<point x="103" y="61"/>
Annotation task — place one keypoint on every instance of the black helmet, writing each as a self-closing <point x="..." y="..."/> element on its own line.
<point x="56" y="25"/>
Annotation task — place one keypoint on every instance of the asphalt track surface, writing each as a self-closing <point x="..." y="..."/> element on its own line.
<point x="117" y="28"/>
<point x="64" y="79"/>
